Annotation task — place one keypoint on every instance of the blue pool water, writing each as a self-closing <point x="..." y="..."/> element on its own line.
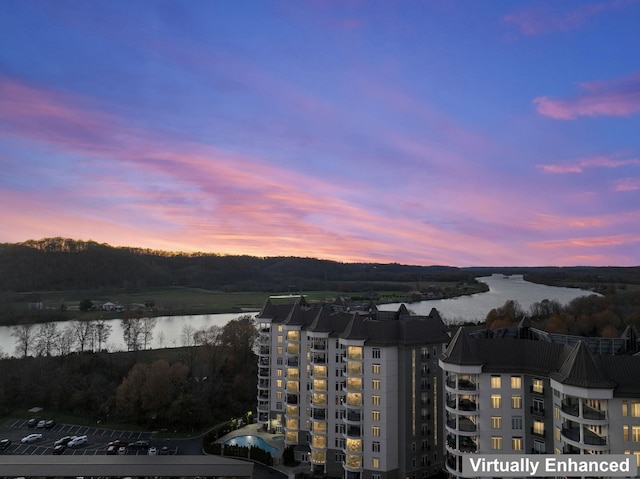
<point x="249" y="441"/>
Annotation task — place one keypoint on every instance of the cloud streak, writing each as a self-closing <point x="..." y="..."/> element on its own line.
<point x="618" y="97"/>
<point x="583" y="164"/>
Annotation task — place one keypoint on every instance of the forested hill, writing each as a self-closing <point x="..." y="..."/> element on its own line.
<point x="60" y="264"/>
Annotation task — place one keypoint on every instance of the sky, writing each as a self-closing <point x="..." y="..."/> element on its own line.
<point x="462" y="133"/>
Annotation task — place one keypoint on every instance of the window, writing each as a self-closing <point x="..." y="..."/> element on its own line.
<point x="280" y="339"/>
<point x="538" y="406"/>
<point x="516" y="382"/>
<point x="516" y="443"/>
<point x="496" y="401"/>
<point x="375" y="431"/>
<point x="280" y="350"/>
<point x="537" y="386"/>
<point x="375" y="353"/>
<point x="496" y="422"/>
<point x="516" y="401"/>
<point x="278" y="394"/>
<point x="496" y="382"/>
<point x="375" y="384"/>
<point x="375" y="415"/>
<point x="375" y="368"/>
<point x="375" y="400"/>
<point x="635" y="433"/>
<point x="538" y="447"/>
<point x="557" y="433"/>
<point x="538" y="428"/>
<point x="625" y="433"/>
<point x="635" y="408"/>
<point x="375" y="476"/>
<point x="516" y="422"/>
<point x="375" y="446"/>
<point x="375" y="462"/>
<point x="279" y="383"/>
<point x="279" y="373"/>
<point x="496" y="443"/>
<point x="278" y="405"/>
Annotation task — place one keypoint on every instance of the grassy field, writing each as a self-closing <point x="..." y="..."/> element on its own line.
<point x="181" y="300"/>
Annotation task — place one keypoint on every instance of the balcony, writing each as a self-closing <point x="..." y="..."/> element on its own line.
<point x="319" y="359"/>
<point x="451" y="403"/>
<point x="318" y="414"/>
<point x="467" y="444"/>
<point x="353" y="416"/>
<point x="263" y="384"/>
<point x="264" y="362"/>
<point x="536" y="390"/>
<point x="353" y="431"/>
<point x="466" y="424"/>
<point x="319" y="346"/>
<point x="462" y="384"/>
<point x="589" y="412"/>
<point x="537" y="451"/>
<point x="467" y="405"/>
<point x="593" y="439"/>
<point x="569" y="449"/>
<point x="263" y="394"/>
<point x="264" y="372"/>
<point x="538" y="433"/>
<point x="291" y="399"/>
<point x="293" y="361"/>
<point x="571" y="408"/>
<point x="264" y="350"/>
<point x="571" y="432"/>
<point x="537" y="411"/>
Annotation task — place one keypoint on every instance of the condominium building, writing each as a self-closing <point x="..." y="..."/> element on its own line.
<point x="523" y="395"/>
<point x="356" y="392"/>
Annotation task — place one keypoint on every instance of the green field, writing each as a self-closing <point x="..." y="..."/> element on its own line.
<point x="168" y="301"/>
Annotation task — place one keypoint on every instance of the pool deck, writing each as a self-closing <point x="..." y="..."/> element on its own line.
<point x="256" y="430"/>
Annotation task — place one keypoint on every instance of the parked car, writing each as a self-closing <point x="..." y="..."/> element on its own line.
<point x="59" y="449"/>
<point x="117" y="443"/>
<point x="32" y="422"/>
<point x="122" y="450"/>
<point x="31" y="438"/>
<point x="5" y="443"/>
<point x="49" y="423"/>
<point x="152" y="451"/>
<point x="78" y="441"/>
<point x="164" y="451"/>
<point x="139" y="445"/>
<point x="63" y="441"/>
<point x="112" y="450"/>
<point x="41" y="424"/>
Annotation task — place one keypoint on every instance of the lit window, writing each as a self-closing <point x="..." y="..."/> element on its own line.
<point x="496" y="443"/>
<point x="280" y="350"/>
<point x="354" y="352"/>
<point x="496" y="401"/>
<point x="516" y="382"/>
<point x="280" y="339"/>
<point x="375" y="368"/>
<point x="496" y="382"/>
<point x="279" y="383"/>
<point x="375" y="462"/>
<point x="635" y="408"/>
<point x="279" y="373"/>
<point x="496" y="422"/>
<point x="635" y="433"/>
<point x="516" y="402"/>
<point x="538" y="386"/>
<point x="375" y="384"/>
<point x="375" y="431"/>
<point x="625" y="433"/>
<point x="516" y="443"/>
<point x="375" y="415"/>
<point x="625" y="407"/>
<point x="375" y="400"/>
<point x="538" y="428"/>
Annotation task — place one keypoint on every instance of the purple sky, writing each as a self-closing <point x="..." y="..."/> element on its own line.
<point x="465" y="133"/>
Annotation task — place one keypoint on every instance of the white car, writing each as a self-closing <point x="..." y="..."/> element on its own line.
<point x="78" y="441"/>
<point x="31" y="438"/>
<point x="153" y="451"/>
<point x="41" y="424"/>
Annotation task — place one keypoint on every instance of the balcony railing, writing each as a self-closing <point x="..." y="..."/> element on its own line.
<point x="589" y="412"/>
<point x="465" y="384"/>
<point x="537" y="411"/>
<point x="570" y="408"/>
<point x="467" y="405"/>
<point x="467" y="445"/>
<point x="466" y="424"/>
<point x="291" y="399"/>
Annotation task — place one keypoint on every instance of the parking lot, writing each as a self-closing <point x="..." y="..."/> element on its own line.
<point x="99" y="438"/>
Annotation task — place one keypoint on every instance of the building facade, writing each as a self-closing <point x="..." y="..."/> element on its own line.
<point x="522" y="395"/>
<point x="356" y="392"/>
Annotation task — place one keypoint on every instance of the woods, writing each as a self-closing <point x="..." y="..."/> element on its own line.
<point x="181" y="388"/>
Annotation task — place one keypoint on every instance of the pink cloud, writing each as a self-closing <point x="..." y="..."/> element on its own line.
<point x="617" y="97"/>
<point x="627" y="184"/>
<point x="537" y="21"/>
<point x="580" y="165"/>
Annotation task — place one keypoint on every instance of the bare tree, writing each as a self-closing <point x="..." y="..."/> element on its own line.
<point x="47" y="335"/>
<point x="208" y="336"/>
<point x="188" y="333"/>
<point x="25" y="336"/>
<point x="102" y="332"/>
<point x="131" y="330"/>
<point x="148" y="324"/>
<point x="84" y="333"/>
<point x="66" y="340"/>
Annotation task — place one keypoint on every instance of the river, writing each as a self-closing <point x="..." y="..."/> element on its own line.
<point x="169" y="329"/>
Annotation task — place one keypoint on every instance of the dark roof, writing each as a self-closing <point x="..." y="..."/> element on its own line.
<point x="582" y="370"/>
<point x="462" y="350"/>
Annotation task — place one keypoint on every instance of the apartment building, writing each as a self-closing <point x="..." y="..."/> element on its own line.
<point x="355" y="391"/>
<point x="520" y="394"/>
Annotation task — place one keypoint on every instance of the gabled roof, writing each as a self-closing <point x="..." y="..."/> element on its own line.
<point x="582" y="370"/>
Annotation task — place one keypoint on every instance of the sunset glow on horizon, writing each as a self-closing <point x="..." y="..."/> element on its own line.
<point x="453" y="133"/>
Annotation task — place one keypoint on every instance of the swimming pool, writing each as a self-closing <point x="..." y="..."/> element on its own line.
<point x="249" y="441"/>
